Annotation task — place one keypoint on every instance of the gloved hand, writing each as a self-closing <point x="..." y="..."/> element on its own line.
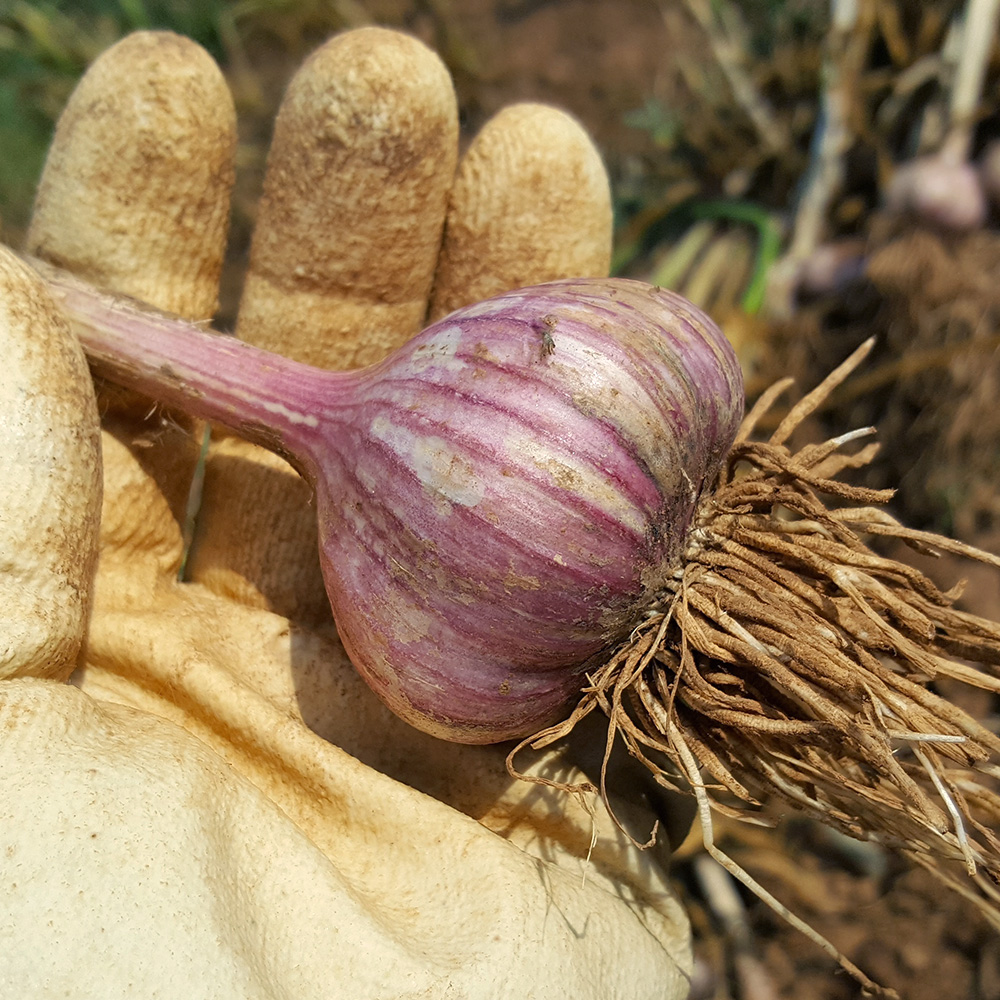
<point x="216" y="805"/>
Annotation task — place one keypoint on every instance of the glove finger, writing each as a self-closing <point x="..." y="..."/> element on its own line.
<point x="51" y="499"/>
<point x="135" y="191"/>
<point x="531" y="203"/>
<point x="354" y="201"/>
<point x="135" y="197"/>
<point x="341" y="265"/>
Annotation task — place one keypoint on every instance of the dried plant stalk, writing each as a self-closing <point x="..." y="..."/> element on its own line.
<point x="789" y="661"/>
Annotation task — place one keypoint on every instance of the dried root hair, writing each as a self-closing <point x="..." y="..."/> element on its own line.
<point x="788" y="661"/>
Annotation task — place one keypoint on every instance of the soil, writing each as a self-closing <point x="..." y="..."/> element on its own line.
<point x="931" y="386"/>
<point x="894" y="922"/>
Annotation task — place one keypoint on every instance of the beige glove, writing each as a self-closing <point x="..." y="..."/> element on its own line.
<point x="220" y="807"/>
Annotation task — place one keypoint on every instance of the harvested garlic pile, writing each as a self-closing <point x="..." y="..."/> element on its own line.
<point x="217" y="804"/>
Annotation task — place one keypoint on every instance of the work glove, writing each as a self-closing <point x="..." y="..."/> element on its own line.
<point x="198" y="795"/>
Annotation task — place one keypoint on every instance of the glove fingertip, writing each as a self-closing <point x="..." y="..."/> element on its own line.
<point x="135" y="191"/>
<point x="531" y="203"/>
<point x="350" y="222"/>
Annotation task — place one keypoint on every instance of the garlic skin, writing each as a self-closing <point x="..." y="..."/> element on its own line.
<point x="939" y="192"/>
<point x="501" y="514"/>
<point x="499" y="500"/>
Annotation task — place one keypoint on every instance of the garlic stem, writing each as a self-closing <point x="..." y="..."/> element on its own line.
<point x="267" y="399"/>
